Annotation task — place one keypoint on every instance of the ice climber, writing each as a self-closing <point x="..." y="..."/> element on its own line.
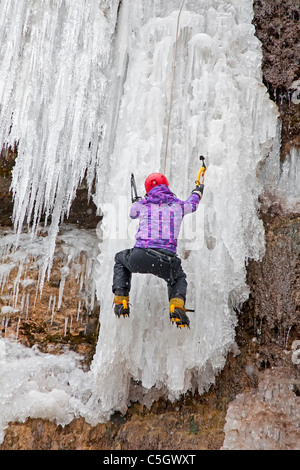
<point x="160" y="215"/>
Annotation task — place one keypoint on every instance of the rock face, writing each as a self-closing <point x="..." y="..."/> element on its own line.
<point x="254" y="403"/>
<point x="266" y="416"/>
<point x="7" y="161"/>
<point x="277" y="27"/>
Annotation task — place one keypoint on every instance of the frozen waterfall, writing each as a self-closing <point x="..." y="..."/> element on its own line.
<point x="85" y="88"/>
<point x="53" y="100"/>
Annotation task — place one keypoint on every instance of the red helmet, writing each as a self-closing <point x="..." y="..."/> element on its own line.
<point x="154" y="180"/>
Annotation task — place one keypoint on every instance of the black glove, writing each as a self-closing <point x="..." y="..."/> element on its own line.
<point x="199" y="190"/>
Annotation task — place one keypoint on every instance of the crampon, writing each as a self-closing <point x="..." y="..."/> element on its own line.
<point x="121" y="308"/>
<point x="177" y="313"/>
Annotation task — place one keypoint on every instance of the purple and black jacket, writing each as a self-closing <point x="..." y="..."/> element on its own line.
<point x="160" y="215"/>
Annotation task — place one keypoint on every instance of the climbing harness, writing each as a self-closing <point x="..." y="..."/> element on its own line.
<point x="134" y="195"/>
<point x="172" y="84"/>
<point x="201" y="172"/>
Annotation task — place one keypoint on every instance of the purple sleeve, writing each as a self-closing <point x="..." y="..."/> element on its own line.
<point x="135" y="210"/>
<point x="191" y="204"/>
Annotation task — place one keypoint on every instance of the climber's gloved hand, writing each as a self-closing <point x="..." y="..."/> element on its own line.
<point x="199" y="190"/>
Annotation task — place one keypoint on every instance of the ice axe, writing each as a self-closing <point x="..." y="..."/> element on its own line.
<point x="134" y="195"/>
<point x="201" y="172"/>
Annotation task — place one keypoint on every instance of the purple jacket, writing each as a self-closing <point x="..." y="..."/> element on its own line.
<point x="160" y="215"/>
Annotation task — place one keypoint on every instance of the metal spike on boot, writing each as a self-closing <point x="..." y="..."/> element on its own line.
<point x="121" y="308"/>
<point x="177" y="313"/>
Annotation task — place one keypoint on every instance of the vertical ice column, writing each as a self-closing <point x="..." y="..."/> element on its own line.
<point x="220" y="109"/>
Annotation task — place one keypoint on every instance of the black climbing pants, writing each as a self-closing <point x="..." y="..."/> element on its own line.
<point x="161" y="263"/>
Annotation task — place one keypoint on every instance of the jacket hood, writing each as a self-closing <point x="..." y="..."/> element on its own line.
<point x="160" y="195"/>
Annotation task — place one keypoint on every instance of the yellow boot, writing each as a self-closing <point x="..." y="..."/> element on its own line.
<point x="121" y="305"/>
<point x="177" y="313"/>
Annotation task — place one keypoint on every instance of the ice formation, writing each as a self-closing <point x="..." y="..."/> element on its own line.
<point x="220" y="109"/>
<point x="78" y="252"/>
<point x="282" y="178"/>
<point x="262" y="419"/>
<point x="52" y="90"/>
<point x="79" y="96"/>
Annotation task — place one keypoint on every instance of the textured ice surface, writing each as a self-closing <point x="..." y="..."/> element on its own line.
<point x="282" y="178"/>
<point x="39" y="385"/>
<point x="71" y="110"/>
<point x="78" y="251"/>
<point x="266" y="418"/>
<point x="53" y="59"/>
<point x="220" y="109"/>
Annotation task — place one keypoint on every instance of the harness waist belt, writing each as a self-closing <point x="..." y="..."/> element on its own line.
<point x="165" y="255"/>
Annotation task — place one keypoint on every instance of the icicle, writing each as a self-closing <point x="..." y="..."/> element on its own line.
<point x="53" y="309"/>
<point x="27" y="306"/>
<point x="18" y="325"/>
<point x="66" y="326"/>
<point x="65" y="271"/>
<point x="22" y="304"/>
<point x="5" y="270"/>
<point x="53" y="100"/>
<point x="78" y="310"/>
<point x="49" y="303"/>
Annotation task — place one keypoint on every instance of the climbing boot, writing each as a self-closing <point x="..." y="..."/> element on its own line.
<point x="121" y="308"/>
<point x="177" y="313"/>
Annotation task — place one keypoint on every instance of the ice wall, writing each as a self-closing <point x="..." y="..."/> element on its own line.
<point x="220" y="109"/>
<point x="69" y="117"/>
